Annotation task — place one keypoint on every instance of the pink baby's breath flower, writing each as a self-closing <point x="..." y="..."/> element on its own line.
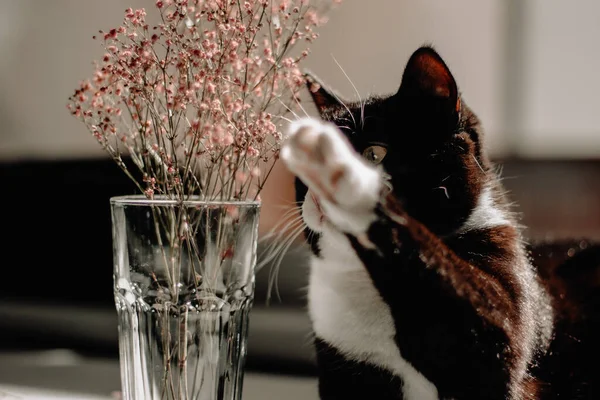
<point x="311" y="17"/>
<point x="252" y="152"/>
<point x="288" y="62"/>
<point x="211" y="88"/>
<point x="227" y="139"/>
<point x="203" y="92"/>
<point x="149" y="193"/>
<point x="237" y="106"/>
<point x="241" y="176"/>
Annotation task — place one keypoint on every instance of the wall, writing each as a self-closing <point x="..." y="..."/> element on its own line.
<point x="561" y="106"/>
<point x="529" y="69"/>
<point x="46" y="49"/>
<point x="372" y="43"/>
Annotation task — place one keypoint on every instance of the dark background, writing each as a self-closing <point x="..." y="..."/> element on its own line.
<point x="57" y="245"/>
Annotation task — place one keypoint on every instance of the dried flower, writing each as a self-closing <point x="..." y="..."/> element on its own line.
<point x="198" y="101"/>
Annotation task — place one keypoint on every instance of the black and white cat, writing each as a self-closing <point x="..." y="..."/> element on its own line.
<point x="421" y="286"/>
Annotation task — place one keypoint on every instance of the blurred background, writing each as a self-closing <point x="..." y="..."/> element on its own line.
<point x="528" y="69"/>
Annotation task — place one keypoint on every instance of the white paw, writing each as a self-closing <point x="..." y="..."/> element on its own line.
<point x="345" y="185"/>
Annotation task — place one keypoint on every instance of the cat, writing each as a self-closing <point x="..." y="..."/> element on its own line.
<point x="421" y="284"/>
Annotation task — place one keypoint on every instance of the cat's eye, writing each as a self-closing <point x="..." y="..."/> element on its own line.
<point x="375" y="154"/>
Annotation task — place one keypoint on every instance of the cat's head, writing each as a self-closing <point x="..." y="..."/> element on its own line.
<point x="424" y="137"/>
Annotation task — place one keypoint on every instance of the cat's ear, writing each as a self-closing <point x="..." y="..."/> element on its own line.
<point x="428" y="77"/>
<point x="325" y="99"/>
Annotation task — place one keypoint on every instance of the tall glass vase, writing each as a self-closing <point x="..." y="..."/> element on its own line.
<point x="183" y="286"/>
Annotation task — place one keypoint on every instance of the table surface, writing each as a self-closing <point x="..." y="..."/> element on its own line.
<point x="62" y="374"/>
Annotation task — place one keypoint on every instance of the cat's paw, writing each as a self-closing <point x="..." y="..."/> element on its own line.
<point x="345" y="186"/>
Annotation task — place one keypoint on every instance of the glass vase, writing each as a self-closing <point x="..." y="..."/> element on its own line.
<point x="183" y="286"/>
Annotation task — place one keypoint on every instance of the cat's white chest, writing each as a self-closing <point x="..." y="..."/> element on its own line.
<point x="348" y="313"/>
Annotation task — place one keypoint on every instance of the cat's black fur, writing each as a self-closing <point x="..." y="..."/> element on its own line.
<point x="458" y="296"/>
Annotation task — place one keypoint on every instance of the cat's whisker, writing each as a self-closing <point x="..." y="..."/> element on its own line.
<point x="288" y="220"/>
<point x="295" y="208"/>
<point x="477" y="162"/>
<point x="362" y="106"/>
<point x="301" y="107"/>
<point x="278" y="231"/>
<point x="445" y="189"/>
<point x="309" y="338"/>
<point x="276" y="256"/>
<point x="286" y="205"/>
<point x="347" y="109"/>
<point x="284" y="118"/>
<point x="280" y="228"/>
<point x="276" y="241"/>
<point x="289" y="109"/>
<point x="345" y="106"/>
<point x="362" y="115"/>
<point x="273" y="278"/>
<point x="290" y="207"/>
<point x="280" y="250"/>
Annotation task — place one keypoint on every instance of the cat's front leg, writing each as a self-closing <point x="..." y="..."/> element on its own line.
<point x="345" y="187"/>
<point x="446" y="308"/>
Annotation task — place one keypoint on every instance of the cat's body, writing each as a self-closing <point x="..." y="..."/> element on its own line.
<point x="425" y="291"/>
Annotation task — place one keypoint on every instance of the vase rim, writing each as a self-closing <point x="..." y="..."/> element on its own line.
<point x="193" y="201"/>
